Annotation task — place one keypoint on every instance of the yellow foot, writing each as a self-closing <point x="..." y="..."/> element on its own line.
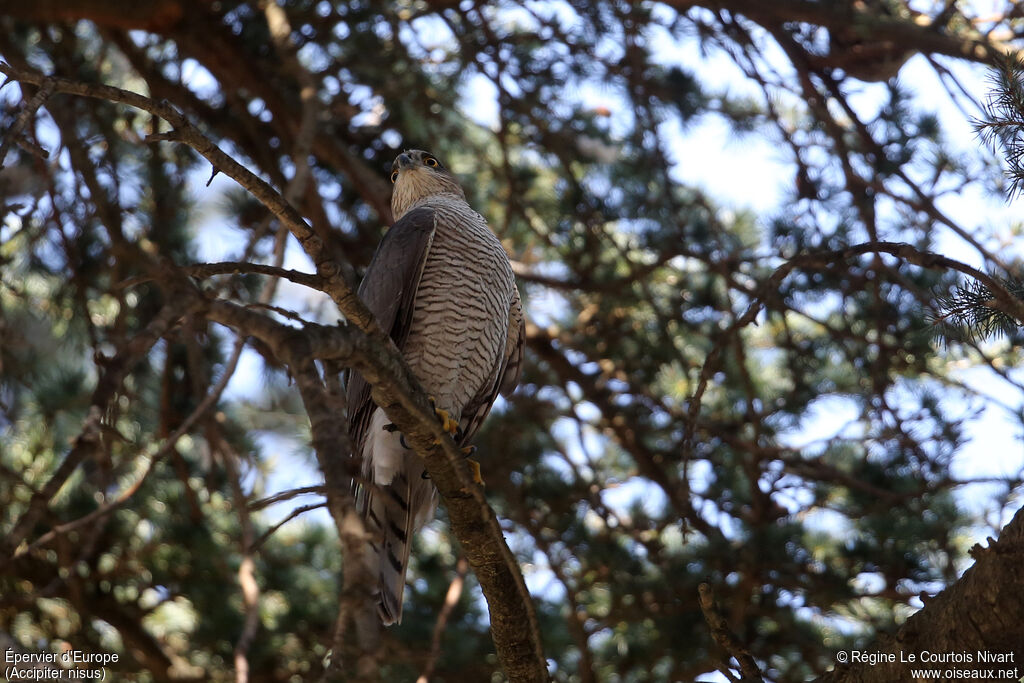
<point x="447" y="423"/>
<point x="474" y="466"/>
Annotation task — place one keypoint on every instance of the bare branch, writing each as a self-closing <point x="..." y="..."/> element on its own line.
<point x="451" y="599"/>
<point x="28" y="111"/>
<point x="301" y="510"/>
<point x="284" y="495"/>
<point x="204" y="270"/>
<point x="1008" y="303"/>
<point x="724" y="636"/>
<point x="183" y="131"/>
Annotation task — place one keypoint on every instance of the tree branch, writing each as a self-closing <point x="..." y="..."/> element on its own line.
<point x="148" y="15"/>
<point x="724" y="636"/>
<point x="513" y="621"/>
<point x="991" y="586"/>
<point x="1008" y="303"/>
<point x="451" y="599"/>
<point x="204" y="270"/>
<point x="183" y="131"/>
<point x="921" y="37"/>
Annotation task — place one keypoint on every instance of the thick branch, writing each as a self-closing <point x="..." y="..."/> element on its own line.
<point x="979" y="613"/>
<point x="148" y="15"/>
<point x="840" y="16"/>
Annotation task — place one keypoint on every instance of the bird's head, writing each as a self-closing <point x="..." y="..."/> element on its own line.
<point x="417" y="175"/>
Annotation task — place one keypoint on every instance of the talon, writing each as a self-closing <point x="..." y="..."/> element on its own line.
<point x="424" y="475"/>
<point x="447" y="423"/>
<point x="391" y="427"/>
<point x="468" y="451"/>
<point x="474" y="468"/>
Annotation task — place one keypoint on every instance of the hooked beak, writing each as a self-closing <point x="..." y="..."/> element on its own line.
<point x="404" y="161"/>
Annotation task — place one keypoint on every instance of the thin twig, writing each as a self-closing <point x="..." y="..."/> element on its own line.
<point x="283" y="312"/>
<point x="29" y="110"/>
<point x="284" y="495"/>
<point x="247" y="567"/>
<point x="724" y="636"/>
<point x="451" y="599"/>
<point x="204" y="270"/>
<point x="302" y="509"/>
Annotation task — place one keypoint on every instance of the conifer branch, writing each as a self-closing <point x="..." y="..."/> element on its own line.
<point x="972" y="311"/>
<point x="1003" y="125"/>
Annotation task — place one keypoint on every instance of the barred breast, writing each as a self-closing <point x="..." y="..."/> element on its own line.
<point x="461" y="317"/>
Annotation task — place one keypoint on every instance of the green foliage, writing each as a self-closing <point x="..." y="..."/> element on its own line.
<point x="970" y="311"/>
<point x="1003" y="124"/>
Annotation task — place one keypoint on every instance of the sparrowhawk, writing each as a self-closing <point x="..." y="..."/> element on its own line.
<point x="441" y="285"/>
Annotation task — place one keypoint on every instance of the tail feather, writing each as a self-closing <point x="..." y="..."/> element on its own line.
<point x="400" y="503"/>
<point x="389" y="511"/>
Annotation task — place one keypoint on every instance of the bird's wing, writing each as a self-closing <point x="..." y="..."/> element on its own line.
<point x="389" y="290"/>
<point x="389" y="499"/>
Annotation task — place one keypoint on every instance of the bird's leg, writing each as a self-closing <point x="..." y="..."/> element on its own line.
<point x="474" y="466"/>
<point x="392" y="428"/>
<point x="447" y="423"/>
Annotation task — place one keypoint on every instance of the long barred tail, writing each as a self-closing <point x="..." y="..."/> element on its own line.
<point x="390" y="520"/>
<point x="395" y="507"/>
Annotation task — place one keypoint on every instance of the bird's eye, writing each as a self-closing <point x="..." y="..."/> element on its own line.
<point x="431" y="161"/>
<point x="394" y="176"/>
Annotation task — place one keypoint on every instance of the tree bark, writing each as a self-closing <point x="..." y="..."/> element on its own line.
<point x="978" y="616"/>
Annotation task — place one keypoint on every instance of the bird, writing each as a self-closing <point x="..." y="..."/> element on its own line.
<point x="441" y="285"/>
